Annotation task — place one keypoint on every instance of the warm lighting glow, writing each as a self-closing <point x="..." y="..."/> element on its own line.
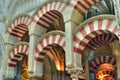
<point x="104" y="72"/>
<point x="25" y="73"/>
<point x="107" y="78"/>
<point x="60" y="66"/>
<point x="58" y="62"/>
<point x="57" y="66"/>
<point x="104" y="75"/>
<point x="106" y="66"/>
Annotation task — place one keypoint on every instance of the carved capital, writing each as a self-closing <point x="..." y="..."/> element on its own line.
<point x="76" y="73"/>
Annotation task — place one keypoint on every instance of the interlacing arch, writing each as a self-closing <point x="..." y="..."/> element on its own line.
<point x="49" y="13"/>
<point x="17" y="53"/>
<point x="101" y="39"/>
<point x="45" y="43"/>
<point x="97" y="61"/>
<point x="92" y="28"/>
<point x="19" y="26"/>
<point x="102" y="73"/>
<point x="94" y="44"/>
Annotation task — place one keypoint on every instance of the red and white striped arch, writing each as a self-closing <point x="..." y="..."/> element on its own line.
<point x="83" y="5"/>
<point x="19" y="26"/>
<point x="91" y="30"/>
<point x="52" y="11"/>
<point x="46" y="43"/>
<point x="17" y="53"/>
<point x="101" y="39"/>
<point x="100" y="60"/>
<point x="105" y="72"/>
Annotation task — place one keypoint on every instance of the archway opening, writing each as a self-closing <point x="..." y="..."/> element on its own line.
<point x="105" y="72"/>
<point x="22" y="68"/>
<point x="57" y="23"/>
<point x="99" y="52"/>
<point x="54" y="64"/>
<point x="49" y="21"/>
<point x="22" y="63"/>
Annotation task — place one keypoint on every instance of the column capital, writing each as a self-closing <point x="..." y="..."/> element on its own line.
<point x="75" y="74"/>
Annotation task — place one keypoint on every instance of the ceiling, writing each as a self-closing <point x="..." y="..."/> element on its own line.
<point x="102" y="7"/>
<point x="11" y="8"/>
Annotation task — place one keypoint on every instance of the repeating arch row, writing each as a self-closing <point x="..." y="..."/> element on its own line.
<point x="100" y="60"/>
<point x="91" y="30"/>
<point x="45" y="44"/>
<point x="17" y="53"/>
<point x="45" y="16"/>
<point x="101" y="39"/>
<point x="19" y="26"/>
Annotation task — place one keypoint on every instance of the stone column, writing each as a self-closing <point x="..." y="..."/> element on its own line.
<point x="73" y="60"/>
<point x="32" y="44"/>
<point x="34" y="32"/>
<point x="70" y="56"/>
<point x="86" y="73"/>
<point x="69" y="43"/>
<point x="7" y="71"/>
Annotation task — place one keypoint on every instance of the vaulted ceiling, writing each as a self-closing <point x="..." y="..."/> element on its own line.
<point x="102" y="7"/>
